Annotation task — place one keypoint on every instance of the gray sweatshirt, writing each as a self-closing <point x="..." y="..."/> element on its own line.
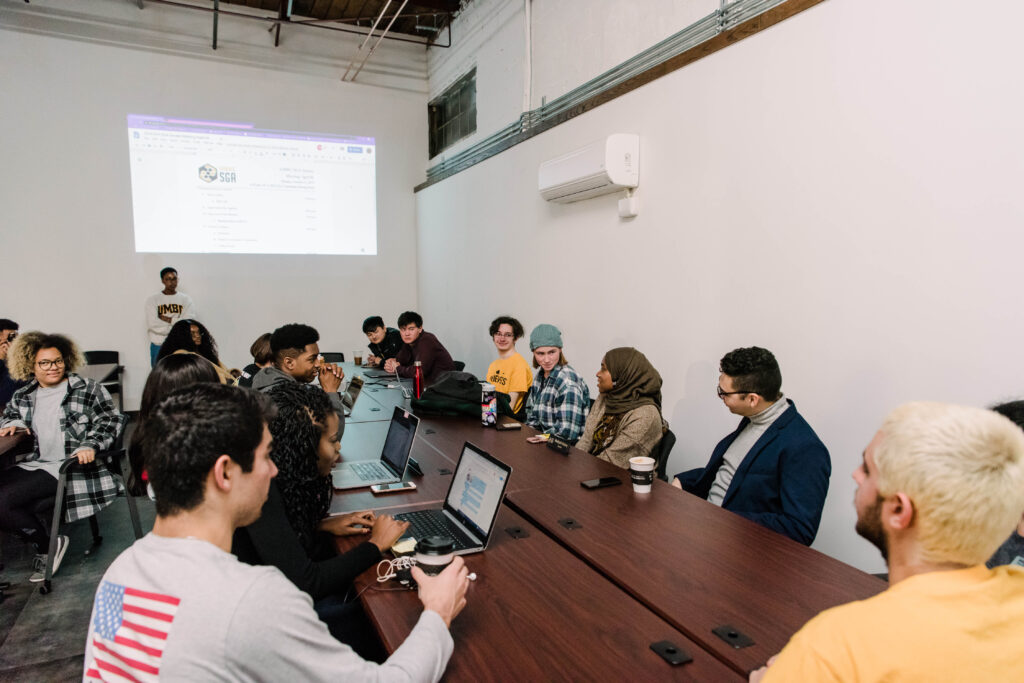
<point x="182" y="609"/>
<point x="269" y="376"/>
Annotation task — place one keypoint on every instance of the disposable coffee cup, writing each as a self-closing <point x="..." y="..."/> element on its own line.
<point x="358" y="357"/>
<point x="641" y="471"/>
<point x="434" y="553"/>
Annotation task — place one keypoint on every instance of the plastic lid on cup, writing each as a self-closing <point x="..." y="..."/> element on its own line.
<point x="435" y="545"/>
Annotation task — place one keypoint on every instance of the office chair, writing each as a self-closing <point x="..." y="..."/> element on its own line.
<point x="113" y="386"/>
<point x="661" y="453"/>
<point x="333" y="357"/>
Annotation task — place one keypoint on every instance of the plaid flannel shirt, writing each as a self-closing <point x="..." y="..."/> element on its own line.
<point x="88" y="419"/>
<point x="558" y="404"/>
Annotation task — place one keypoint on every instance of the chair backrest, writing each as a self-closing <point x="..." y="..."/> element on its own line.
<point x="661" y="453"/>
<point x="333" y="357"/>
<point x="459" y="365"/>
<point x="101" y="357"/>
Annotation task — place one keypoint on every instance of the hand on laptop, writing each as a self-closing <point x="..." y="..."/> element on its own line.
<point x="372" y="360"/>
<point x="352" y="524"/>
<point x="446" y="592"/>
<point x="386" y="531"/>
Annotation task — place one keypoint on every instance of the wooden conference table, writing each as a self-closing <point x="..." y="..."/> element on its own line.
<point x="554" y="600"/>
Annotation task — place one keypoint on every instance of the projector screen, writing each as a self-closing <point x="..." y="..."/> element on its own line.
<point x="232" y="188"/>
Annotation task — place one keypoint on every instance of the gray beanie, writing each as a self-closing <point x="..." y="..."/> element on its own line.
<point x="545" y="335"/>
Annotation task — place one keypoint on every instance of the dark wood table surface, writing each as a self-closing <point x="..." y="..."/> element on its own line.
<point x="537" y="613"/>
<point x="694" y="565"/>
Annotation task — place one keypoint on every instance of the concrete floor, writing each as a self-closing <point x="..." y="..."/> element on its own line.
<point x="42" y="637"/>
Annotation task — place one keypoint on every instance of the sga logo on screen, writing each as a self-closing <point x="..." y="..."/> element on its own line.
<point x="208" y="174"/>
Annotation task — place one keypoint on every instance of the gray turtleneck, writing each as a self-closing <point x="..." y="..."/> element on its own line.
<point x="739" y="448"/>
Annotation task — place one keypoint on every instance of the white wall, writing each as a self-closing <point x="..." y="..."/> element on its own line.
<point x="571" y="42"/>
<point x="65" y="202"/>
<point x="842" y="188"/>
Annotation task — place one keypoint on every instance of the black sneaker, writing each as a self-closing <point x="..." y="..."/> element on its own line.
<point x="39" y="565"/>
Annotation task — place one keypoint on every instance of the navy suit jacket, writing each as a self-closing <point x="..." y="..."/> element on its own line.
<point x="782" y="481"/>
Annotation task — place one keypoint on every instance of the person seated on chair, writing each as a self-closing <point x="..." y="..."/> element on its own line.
<point x="510" y="373"/>
<point x="418" y="346"/>
<point x="191" y="336"/>
<point x="773" y="469"/>
<point x="297" y="359"/>
<point x="8" y="385"/>
<point x="174" y="372"/>
<point x="625" y="421"/>
<point x="559" y="398"/>
<point x="294" y="532"/>
<point x="208" y="449"/>
<point x="384" y="342"/>
<point x="938" y="489"/>
<point x="70" y="416"/>
<point x="262" y="357"/>
<point x="1012" y="549"/>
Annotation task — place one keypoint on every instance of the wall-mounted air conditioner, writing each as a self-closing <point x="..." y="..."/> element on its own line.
<point x="605" y="166"/>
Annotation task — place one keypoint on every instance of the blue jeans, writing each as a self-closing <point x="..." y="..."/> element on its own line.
<point x="153" y="350"/>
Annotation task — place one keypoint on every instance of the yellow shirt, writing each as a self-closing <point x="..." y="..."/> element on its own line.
<point x="963" y="625"/>
<point x="511" y="374"/>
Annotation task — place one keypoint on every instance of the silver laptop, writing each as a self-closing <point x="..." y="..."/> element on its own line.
<point x="471" y="505"/>
<point x="393" y="458"/>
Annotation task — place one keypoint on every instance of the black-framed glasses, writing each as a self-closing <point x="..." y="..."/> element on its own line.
<point x="723" y="394"/>
<point x="47" y="364"/>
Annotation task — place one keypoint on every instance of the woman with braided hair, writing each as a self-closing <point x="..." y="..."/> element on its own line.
<point x="293" y="532"/>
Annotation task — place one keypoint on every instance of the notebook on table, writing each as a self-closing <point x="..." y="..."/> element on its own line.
<point x="470" y="506"/>
<point x="394" y="457"/>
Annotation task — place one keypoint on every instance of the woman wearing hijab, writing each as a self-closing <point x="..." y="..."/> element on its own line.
<point x="625" y="421"/>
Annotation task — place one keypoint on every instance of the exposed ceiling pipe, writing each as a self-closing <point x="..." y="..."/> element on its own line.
<point x="274" y="20"/>
<point x="528" y="58"/>
<point x="367" y="38"/>
<point x="386" y="29"/>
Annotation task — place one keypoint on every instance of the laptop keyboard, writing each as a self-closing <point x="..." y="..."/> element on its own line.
<point x="368" y="471"/>
<point x="424" y="523"/>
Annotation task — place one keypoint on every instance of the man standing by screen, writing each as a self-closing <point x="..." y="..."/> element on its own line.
<point x="165" y="308"/>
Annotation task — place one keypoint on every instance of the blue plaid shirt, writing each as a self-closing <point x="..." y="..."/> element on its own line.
<point x="558" y="403"/>
<point x="88" y="419"/>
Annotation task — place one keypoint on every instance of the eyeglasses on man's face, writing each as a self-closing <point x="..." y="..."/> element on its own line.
<point x="723" y="394"/>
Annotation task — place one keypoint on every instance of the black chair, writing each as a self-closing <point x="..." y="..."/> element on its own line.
<point x="661" y="453"/>
<point x="119" y="467"/>
<point x="459" y="365"/>
<point x="114" y="386"/>
<point x="331" y="357"/>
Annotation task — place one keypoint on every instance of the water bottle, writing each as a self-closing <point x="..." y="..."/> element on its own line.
<point x="417" y="379"/>
<point x="488" y="406"/>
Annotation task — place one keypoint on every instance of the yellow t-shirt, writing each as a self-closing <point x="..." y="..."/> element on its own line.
<point x="963" y="625"/>
<point x="511" y="374"/>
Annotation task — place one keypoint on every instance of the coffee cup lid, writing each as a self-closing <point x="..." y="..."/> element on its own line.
<point x="435" y="545"/>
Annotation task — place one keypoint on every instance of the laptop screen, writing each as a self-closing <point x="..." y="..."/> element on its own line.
<point x="476" y="490"/>
<point x="399" y="440"/>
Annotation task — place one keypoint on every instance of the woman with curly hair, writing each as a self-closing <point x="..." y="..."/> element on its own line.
<point x="294" y="532"/>
<point x="191" y="336"/>
<point x="69" y="416"/>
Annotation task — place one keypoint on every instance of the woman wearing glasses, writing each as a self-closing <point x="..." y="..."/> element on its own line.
<point x="68" y="416"/>
<point x="510" y="373"/>
<point x="625" y="421"/>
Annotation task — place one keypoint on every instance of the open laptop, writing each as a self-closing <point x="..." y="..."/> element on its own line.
<point x="471" y="505"/>
<point x="394" y="457"/>
<point x="351" y="395"/>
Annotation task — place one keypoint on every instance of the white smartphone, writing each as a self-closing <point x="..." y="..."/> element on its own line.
<point x="391" y="488"/>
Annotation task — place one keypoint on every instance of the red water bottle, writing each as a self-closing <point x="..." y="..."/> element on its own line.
<point x="417" y="379"/>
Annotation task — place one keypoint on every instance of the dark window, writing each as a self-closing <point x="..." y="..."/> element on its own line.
<point x="452" y="115"/>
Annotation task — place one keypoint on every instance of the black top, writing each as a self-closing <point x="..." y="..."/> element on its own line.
<point x="390" y="346"/>
<point x="248" y="372"/>
<point x="319" y="571"/>
<point x="8" y="385"/>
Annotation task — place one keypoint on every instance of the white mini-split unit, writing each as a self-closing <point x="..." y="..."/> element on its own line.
<point x="606" y="166"/>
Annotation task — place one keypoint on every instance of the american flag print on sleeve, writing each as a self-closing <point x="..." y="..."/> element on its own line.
<point x="129" y="631"/>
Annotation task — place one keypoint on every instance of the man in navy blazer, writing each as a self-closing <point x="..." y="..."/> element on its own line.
<point x="773" y="470"/>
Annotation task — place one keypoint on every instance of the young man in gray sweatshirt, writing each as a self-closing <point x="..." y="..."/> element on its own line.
<point x="179" y="606"/>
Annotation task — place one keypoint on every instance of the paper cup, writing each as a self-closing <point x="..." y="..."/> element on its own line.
<point x="434" y="553"/>
<point x="641" y="471"/>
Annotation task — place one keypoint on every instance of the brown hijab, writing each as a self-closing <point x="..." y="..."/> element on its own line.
<point x="636" y="382"/>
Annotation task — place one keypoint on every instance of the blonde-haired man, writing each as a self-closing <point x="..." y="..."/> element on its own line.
<point x="939" y="488"/>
